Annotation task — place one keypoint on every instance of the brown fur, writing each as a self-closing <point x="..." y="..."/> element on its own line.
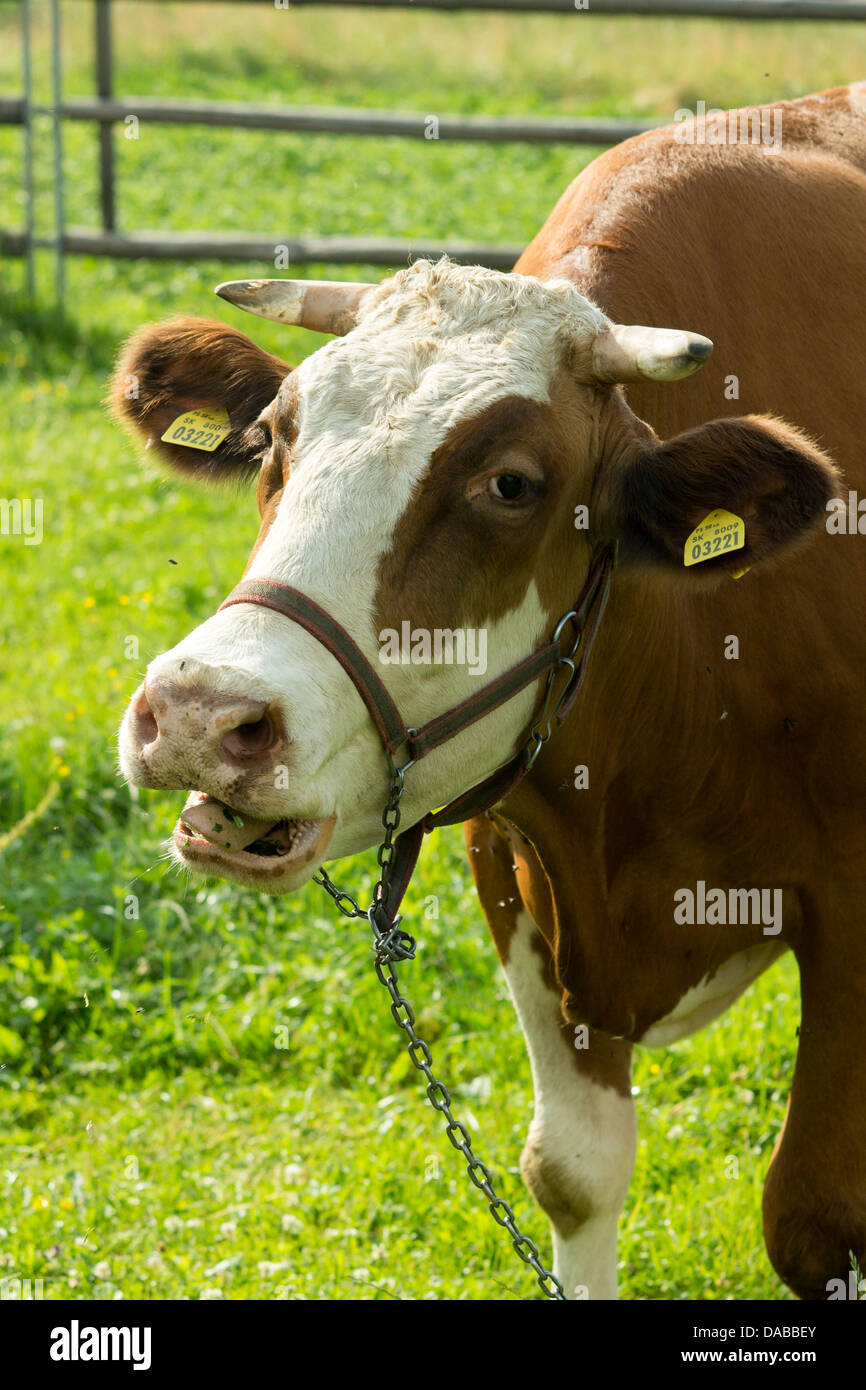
<point x="765" y="254"/>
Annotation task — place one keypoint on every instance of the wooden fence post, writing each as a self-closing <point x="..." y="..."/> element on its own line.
<point x="105" y="91"/>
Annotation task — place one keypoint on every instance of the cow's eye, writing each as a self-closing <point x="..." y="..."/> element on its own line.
<point x="508" y="487"/>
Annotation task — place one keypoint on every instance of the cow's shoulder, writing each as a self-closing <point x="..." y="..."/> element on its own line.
<point x="664" y="192"/>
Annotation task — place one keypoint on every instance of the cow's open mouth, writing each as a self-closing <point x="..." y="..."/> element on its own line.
<point x="214" y="837"/>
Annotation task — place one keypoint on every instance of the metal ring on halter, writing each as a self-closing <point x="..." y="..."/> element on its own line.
<point x="573" y="615"/>
<point x="400" y="772"/>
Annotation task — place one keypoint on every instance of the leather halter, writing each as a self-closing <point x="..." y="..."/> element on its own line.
<point x="557" y="654"/>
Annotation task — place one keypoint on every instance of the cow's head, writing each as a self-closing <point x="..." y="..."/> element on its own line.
<point x="420" y="473"/>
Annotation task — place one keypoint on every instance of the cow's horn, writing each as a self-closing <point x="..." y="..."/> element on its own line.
<point x="627" y="352"/>
<point x="328" y="306"/>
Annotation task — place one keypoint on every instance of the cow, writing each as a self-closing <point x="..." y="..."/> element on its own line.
<point x="453" y="458"/>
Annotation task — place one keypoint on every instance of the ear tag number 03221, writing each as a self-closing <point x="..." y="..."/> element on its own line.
<point x="720" y="533"/>
<point x="199" y="429"/>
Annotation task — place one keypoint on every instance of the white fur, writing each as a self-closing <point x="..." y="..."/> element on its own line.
<point x="588" y="1131"/>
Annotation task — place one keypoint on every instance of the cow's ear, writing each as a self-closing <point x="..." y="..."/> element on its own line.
<point x="183" y="365"/>
<point x="754" y="470"/>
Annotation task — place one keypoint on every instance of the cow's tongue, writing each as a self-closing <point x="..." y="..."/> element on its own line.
<point x="210" y="819"/>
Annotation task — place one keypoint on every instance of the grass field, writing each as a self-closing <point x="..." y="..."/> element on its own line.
<point x="156" y="1142"/>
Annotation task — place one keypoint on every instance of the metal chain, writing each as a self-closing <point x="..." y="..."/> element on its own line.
<point x="440" y="1098"/>
<point x="398" y="944"/>
<point x="392" y="944"/>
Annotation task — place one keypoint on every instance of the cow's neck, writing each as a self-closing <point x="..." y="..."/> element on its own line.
<point x="645" y="690"/>
<point x="641" y="729"/>
<point x="639" y="733"/>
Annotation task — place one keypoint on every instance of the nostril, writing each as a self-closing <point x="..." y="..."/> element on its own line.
<point x="146" y="727"/>
<point x="253" y="740"/>
<point x="249" y="738"/>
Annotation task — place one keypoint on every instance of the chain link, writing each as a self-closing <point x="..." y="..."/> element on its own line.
<point x="384" y="856"/>
<point x="440" y="1099"/>
<point x="392" y="944"/>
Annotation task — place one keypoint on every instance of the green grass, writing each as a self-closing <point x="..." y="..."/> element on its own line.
<point x="156" y="1140"/>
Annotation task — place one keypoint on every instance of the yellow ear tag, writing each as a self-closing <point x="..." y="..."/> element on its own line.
<point x="719" y="533"/>
<point x="199" y="429"/>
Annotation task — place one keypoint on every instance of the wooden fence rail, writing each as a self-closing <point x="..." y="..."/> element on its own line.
<point x="106" y="110"/>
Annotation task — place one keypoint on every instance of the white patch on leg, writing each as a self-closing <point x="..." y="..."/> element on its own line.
<point x="582" y="1139"/>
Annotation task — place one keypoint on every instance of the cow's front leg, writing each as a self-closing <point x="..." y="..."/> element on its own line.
<point x="580" y="1150"/>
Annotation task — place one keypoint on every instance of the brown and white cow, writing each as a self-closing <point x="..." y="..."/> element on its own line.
<point x="426" y="465"/>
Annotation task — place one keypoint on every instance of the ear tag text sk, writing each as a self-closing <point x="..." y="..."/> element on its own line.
<point x="719" y="533"/>
<point x="199" y="429"/>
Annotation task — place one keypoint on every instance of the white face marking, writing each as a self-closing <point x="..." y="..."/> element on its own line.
<point x="435" y="346"/>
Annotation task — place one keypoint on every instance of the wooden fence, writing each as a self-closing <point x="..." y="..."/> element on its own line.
<point x="107" y="110"/>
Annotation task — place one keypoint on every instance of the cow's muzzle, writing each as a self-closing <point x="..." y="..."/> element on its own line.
<point x="173" y="729"/>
